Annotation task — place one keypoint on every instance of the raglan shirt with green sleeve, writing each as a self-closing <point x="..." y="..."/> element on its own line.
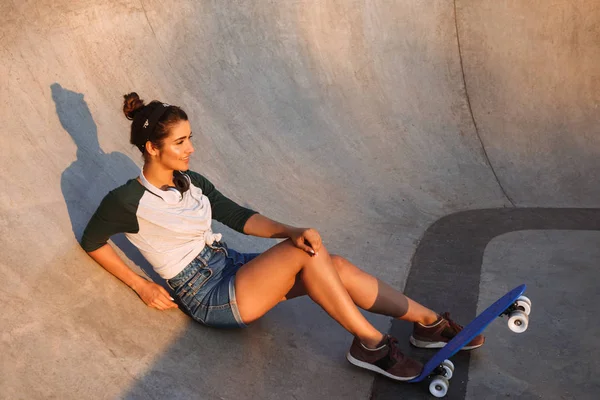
<point x="168" y="235"/>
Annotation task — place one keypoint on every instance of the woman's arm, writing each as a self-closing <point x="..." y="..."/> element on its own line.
<point x="249" y="222"/>
<point x="306" y="239"/>
<point x="152" y="294"/>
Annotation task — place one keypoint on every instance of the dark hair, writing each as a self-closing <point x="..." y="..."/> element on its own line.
<point x="138" y="112"/>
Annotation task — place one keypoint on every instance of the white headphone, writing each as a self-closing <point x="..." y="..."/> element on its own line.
<point x="171" y="195"/>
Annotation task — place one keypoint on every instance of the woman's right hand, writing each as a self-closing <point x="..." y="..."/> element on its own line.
<point x="155" y="296"/>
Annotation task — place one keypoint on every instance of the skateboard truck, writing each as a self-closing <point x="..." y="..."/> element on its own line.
<point x="440" y="378"/>
<point x="518" y="314"/>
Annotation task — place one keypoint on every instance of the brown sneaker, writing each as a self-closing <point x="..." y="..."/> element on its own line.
<point x="386" y="359"/>
<point x="436" y="336"/>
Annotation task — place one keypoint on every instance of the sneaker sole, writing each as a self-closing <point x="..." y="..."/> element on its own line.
<point x="437" y="345"/>
<point x="375" y="368"/>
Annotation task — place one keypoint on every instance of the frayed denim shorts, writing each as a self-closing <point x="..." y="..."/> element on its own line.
<point x="205" y="288"/>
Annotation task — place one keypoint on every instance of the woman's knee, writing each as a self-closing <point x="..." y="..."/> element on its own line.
<point x="342" y="266"/>
<point x="302" y="256"/>
<point x="338" y="261"/>
<point x="345" y="269"/>
<point x="292" y="254"/>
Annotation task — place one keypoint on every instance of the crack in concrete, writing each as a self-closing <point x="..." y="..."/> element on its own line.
<point x="462" y="68"/>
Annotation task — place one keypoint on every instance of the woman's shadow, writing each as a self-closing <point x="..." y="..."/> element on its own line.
<point x="94" y="173"/>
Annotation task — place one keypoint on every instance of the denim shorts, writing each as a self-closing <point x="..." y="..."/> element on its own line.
<point x="205" y="288"/>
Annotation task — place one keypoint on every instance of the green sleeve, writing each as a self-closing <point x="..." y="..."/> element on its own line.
<point x="115" y="214"/>
<point x="224" y="210"/>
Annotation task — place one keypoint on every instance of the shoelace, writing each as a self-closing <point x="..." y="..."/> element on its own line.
<point x="456" y="327"/>
<point x="394" y="350"/>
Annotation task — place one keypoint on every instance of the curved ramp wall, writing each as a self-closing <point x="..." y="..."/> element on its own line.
<point x="352" y="117"/>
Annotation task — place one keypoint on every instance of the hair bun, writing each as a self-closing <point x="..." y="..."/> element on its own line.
<point x="132" y="105"/>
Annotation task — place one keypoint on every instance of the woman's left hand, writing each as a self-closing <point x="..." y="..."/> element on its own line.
<point x="307" y="239"/>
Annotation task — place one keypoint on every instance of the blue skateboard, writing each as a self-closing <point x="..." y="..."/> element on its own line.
<point x="439" y="369"/>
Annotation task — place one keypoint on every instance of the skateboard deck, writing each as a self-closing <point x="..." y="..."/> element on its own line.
<point x="510" y="304"/>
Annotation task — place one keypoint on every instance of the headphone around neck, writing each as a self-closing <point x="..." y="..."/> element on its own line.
<point x="170" y="194"/>
<point x="181" y="181"/>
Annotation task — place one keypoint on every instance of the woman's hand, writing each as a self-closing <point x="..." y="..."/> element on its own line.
<point x="155" y="296"/>
<point x="308" y="240"/>
<point x="152" y="294"/>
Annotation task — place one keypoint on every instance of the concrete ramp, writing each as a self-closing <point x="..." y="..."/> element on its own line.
<point x="370" y="121"/>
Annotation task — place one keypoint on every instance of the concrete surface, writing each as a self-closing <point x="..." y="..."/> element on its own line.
<point x="453" y="254"/>
<point x="562" y="337"/>
<point x="367" y="120"/>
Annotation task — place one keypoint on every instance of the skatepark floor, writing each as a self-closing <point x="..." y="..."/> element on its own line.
<point x="449" y="148"/>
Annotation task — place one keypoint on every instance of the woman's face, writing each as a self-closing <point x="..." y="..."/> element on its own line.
<point x="177" y="147"/>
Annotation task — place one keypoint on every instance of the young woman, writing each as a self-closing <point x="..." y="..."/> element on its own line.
<point x="167" y="214"/>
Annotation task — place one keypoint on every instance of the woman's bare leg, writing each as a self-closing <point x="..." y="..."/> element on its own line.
<point x="264" y="281"/>
<point x="372" y="294"/>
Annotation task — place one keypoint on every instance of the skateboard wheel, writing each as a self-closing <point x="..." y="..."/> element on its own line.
<point x="439" y="386"/>
<point x="525" y="299"/>
<point x="448" y="367"/>
<point x="525" y="307"/>
<point x="518" y="321"/>
<point x="524" y="303"/>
